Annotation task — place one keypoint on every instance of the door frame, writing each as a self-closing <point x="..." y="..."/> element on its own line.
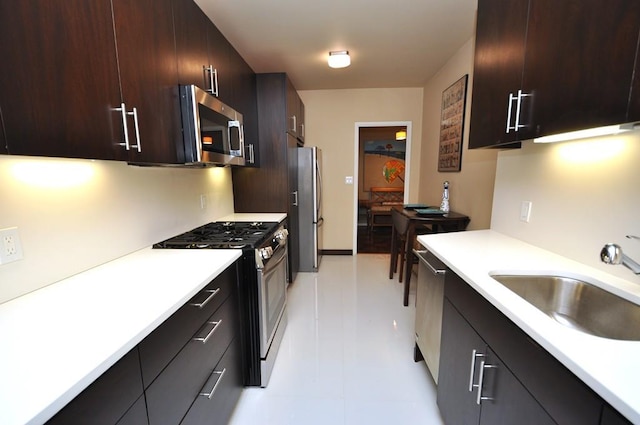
<point x="356" y="183"/>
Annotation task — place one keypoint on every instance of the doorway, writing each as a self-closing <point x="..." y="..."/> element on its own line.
<point x="381" y="181"/>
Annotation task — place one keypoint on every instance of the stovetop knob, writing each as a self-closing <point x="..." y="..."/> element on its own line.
<point x="281" y="235"/>
<point x="266" y="253"/>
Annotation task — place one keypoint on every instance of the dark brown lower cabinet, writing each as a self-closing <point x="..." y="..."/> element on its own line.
<point x="479" y="389"/>
<point x="108" y="398"/>
<point x="218" y="396"/>
<point x="491" y="372"/>
<point x="195" y="378"/>
<point x="180" y="383"/>
<point x="136" y="415"/>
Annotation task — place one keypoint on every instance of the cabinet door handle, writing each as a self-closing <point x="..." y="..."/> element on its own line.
<point x="294" y="125"/>
<point x="134" y="113"/>
<point x="219" y="376"/>
<point x="302" y="130"/>
<point x="509" y="110"/>
<point x="123" y="114"/>
<point x="213" y="79"/>
<point x="518" y="99"/>
<point x="295" y="198"/>
<point x="252" y="158"/>
<point x="483" y="366"/>
<point x="521" y="96"/>
<point x="474" y="356"/>
<point x="211" y="332"/>
<point x="213" y="292"/>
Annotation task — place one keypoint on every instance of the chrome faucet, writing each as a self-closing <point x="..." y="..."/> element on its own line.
<point x="612" y="254"/>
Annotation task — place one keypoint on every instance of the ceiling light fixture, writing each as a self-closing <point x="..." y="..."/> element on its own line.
<point x="339" y="59"/>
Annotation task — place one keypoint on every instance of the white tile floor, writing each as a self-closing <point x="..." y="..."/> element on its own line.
<point x="347" y="354"/>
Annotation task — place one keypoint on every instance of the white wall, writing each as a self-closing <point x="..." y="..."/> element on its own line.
<point x="584" y="194"/>
<point x="75" y="214"/>
<point x="330" y="118"/>
<point x="471" y="189"/>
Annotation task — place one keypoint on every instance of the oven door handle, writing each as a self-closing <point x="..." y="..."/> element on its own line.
<point x="279" y="256"/>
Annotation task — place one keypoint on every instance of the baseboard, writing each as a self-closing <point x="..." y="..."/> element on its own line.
<point x="336" y="252"/>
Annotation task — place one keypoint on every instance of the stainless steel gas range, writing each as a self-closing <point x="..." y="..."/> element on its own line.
<point x="262" y="289"/>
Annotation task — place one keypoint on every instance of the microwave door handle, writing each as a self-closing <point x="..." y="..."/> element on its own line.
<point x="237" y="125"/>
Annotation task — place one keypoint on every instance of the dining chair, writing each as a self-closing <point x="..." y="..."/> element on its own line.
<point x="400" y="229"/>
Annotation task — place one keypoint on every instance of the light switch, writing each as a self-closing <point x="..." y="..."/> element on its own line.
<point x="525" y="211"/>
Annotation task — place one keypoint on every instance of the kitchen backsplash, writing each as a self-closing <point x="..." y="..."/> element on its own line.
<point x="73" y="215"/>
<point x="584" y="194"/>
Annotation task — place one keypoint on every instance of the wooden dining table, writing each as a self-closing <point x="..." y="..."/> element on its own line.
<point x="435" y="223"/>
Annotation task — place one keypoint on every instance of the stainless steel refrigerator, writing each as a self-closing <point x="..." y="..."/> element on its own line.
<point x="310" y="207"/>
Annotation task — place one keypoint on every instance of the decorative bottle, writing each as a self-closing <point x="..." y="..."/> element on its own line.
<point x="444" y="206"/>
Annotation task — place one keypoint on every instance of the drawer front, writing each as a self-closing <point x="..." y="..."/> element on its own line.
<point x="164" y="343"/>
<point x="108" y="398"/>
<point x="226" y="384"/>
<point x="175" y="389"/>
<point x="137" y="415"/>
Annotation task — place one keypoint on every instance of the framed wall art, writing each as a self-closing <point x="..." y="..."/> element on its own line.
<point x="452" y="125"/>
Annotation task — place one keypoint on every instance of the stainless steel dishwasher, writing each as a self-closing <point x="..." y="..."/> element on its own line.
<point x="429" y="300"/>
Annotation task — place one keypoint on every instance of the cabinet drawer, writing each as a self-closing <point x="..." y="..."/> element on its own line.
<point x="175" y="389"/>
<point x="228" y="387"/>
<point x="137" y="415"/>
<point x="108" y="398"/>
<point x="162" y="345"/>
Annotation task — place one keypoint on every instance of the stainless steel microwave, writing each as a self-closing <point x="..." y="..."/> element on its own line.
<point x="213" y="132"/>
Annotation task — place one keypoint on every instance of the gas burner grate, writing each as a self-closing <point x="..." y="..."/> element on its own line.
<point x="221" y="235"/>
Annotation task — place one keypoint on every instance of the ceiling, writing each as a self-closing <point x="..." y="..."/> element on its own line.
<point x="392" y="43"/>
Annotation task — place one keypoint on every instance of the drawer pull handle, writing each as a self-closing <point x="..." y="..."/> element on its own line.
<point x="474" y="356"/>
<point x="211" y="332"/>
<point x="215" y="386"/>
<point x="209" y="298"/>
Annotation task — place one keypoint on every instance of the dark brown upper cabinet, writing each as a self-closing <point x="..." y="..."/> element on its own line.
<point x="3" y="139"/>
<point x="100" y="79"/>
<point x="206" y="59"/>
<point x="634" y="98"/>
<point x="295" y="113"/>
<point x="203" y="52"/>
<point x="572" y="77"/>
<point x="149" y="79"/>
<point x="59" y="86"/>
<point x="191" y="43"/>
<point x="219" y="58"/>
<point x="81" y="73"/>
<point x="497" y="70"/>
<point x="245" y="101"/>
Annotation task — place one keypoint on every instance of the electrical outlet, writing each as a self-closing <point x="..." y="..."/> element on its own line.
<point x="10" y="246"/>
<point x="348" y="180"/>
<point x="525" y="211"/>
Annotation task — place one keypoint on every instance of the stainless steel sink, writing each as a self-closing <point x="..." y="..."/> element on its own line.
<point x="578" y="304"/>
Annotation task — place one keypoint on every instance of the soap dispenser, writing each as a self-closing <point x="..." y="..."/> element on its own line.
<point x="444" y="206"/>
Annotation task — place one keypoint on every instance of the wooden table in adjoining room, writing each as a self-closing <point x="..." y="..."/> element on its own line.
<point x="438" y="223"/>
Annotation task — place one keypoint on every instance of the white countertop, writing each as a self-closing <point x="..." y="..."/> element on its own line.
<point x="57" y="340"/>
<point x="258" y="217"/>
<point x="610" y="367"/>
